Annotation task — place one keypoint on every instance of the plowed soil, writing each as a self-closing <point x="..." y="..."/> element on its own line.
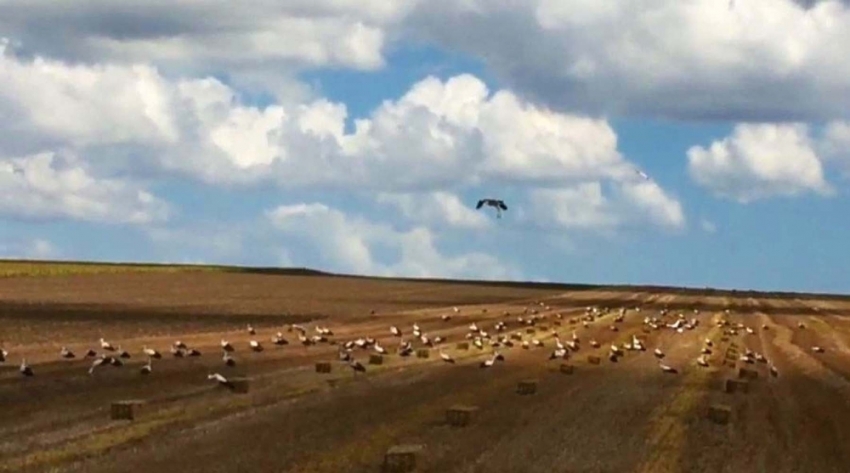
<point x="624" y="416"/>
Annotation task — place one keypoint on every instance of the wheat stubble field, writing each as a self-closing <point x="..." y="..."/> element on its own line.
<point x="624" y="416"/>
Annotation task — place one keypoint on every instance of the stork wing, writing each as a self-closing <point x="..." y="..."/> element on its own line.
<point x="502" y="205"/>
<point x="480" y="203"/>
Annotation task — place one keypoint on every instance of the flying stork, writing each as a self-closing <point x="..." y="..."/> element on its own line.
<point x="497" y="204"/>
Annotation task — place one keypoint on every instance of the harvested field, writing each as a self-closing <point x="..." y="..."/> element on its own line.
<point x="623" y="416"/>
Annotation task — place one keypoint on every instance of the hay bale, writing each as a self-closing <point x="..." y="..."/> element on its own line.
<point x="720" y="414"/>
<point x="462" y="346"/>
<point x="530" y="330"/>
<point x="323" y="367"/>
<point x="556" y="323"/>
<point x="401" y="458"/>
<point x="460" y="415"/>
<point x="724" y="339"/>
<point x="528" y="386"/>
<point x="125" y="410"/>
<point x="543" y="328"/>
<point x="516" y="336"/>
<point x="423" y="353"/>
<point x="594" y="360"/>
<point x="376" y="359"/>
<point x="567" y="368"/>
<point x="239" y="385"/>
<point x="737" y="386"/>
<point x="746" y="373"/>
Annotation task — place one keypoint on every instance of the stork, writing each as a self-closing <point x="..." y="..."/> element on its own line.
<point x="446" y="357"/>
<point x="357" y="367"/>
<point x="279" y="340"/>
<point x="3" y="355"/>
<point x="251" y="330"/>
<point x="228" y="360"/>
<point x="66" y="353"/>
<point x="226" y="346"/>
<point x="106" y="345"/>
<point x="395" y="331"/>
<point x="147" y="367"/>
<point x="151" y="352"/>
<point x="255" y="346"/>
<point x="25" y="368"/>
<point x="221" y="380"/>
<point x="497" y="204"/>
<point x="667" y="369"/>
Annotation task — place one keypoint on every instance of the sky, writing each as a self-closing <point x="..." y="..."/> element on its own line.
<point x="356" y="136"/>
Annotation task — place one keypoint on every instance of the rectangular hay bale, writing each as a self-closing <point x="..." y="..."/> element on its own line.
<point x="530" y="330"/>
<point x="746" y="373"/>
<point x="376" y="359"/>
<point x="594" y="360"/>
<point x="125" y="410"/>
<point x="462" y="346"/>
<point x="423" y="353"/>
<point x="460" y="415"/>
<point x="720" y="414"/>
<point x="528" y="386"/>
<point x="736" y="385"/>
<point x="323" y="367"/>
<point x="567" y="368"/>
<point x="401" y="458"/>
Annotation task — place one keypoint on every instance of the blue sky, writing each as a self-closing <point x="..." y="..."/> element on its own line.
<point x="136" y="146"/>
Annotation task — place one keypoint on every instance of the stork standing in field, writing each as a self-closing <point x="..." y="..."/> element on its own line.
<point x="106" y="345"/>
<point x="218" y="378"/>
<point x="255" y="346"/>
<point x="667" y="369"/>
<point x="3" y="355"/>
<point x="25" y="368"/>
<point x="228" y="360"/>
<point x="151" y="352"/>
<point x="147" y="367"/>
<point x="66" y="353"/>
<point x="356" y="366"/>
<point x="225" y="345"/>
<point x="446" y="357"/>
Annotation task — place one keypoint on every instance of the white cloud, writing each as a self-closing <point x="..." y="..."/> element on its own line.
<point x="130" y="120"/>
<point x="834" y="145"/>
<point x="46" y="186"/>
<point x="261" y="43"/>
<point x="37" y="248"/>
<point x="759" y="161"/>
<point x="673" y="58"/>
<point x="436" y="209"/>
<point x="587" y="206"/>
<point x="350" y="244"/>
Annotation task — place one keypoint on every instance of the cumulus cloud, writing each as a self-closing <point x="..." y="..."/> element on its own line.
<point x="759" y="161"/>
<point x="351" y="244"/>
<point x="834" y="145"/>
<point x="130" y="119"/>
<point x="437" y="209"/>
<point x="37" y="248"/>
<point x="672" y="58"/>
<point x="46" y="186"/>
<point x="262" y="43"/>
<point x="587" y="206"/>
